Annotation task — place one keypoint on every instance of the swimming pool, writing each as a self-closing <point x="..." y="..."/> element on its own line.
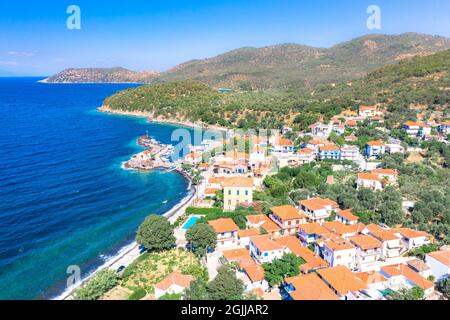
<point x="190" y="222"/>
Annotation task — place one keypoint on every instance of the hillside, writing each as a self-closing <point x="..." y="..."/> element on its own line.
<point x="292" y="65"/>
<point x="419" y="81"/>
<point x="101" y="75"/>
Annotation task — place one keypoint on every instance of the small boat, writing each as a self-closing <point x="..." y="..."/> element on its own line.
<point x="164" y="202"/>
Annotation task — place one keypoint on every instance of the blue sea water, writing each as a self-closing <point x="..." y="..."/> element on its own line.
<point x="64" y="198"/>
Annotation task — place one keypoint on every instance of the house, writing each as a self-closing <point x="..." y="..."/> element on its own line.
<point x="413" y="239"/>
<point x="369" y="180"/>
<point x="444" y="128"/>
<point x="308" y="287"/>
<point x="311" y="232"/>
<point x="174" y="283"/>
<point x="340" y="229"/>
<point x="264" y="249"/>
<point x="402" y="276"/>
<point x="145" y="155"/>
<point x="339" y="129"/>
<point x="342" y="282"/>
<point x="337" y="251"/>
<point x="314" y="145"/>
<point x="346" y="217"/>
<point x="367" y="111"/>
<point x="226" y="231"/>
<point x="390" y="176"/>
<point x="439" y="262"/>
<point x="321" y="129"/>
<point x="244" y="236"/>
<point x="287" y="218"/>
<point x="350" y="153"/>
<point x="368" y="251"/>
<point x="312" y="260"/>
<point x="329" y="152"/>
<point x="375" y="282"/>
<point x="255" y="275"/>
<point x="193" y="158"/>
<point x="317" y="209"/>
<point x="376" y="119"/>
<point x="305" y="155"/>
<point x="414" y="129"/>
<point x="391" y="243"/>
<point x="283" y="146"/>
<point x="392" y="148"/>
<point x="420" y="267"/>
<point x="237" y="191"/>
<point x="263" y="223"/>
<point x="374" y="149"/>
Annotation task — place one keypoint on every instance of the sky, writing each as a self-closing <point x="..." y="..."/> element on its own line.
<point x="155" y="35"/>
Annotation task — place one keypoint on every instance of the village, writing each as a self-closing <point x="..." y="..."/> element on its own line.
<point x="344" y="259"/>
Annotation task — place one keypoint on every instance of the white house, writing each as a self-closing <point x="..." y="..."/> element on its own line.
<point x="338" y="252"/>
<point x="227" y="232"/>
<point x="368" y="251"/>
<point x="402" y="276"/>
<point x="370" y="181"/>
<point x="317" y="209"/>
<point x="374" y="149"/>
<point x="439" y="262"/>
<point x="264" y="249"/>
<point x="350" y="153"/>
<point x="174" y="283"/>
<point x="392" y="148"/>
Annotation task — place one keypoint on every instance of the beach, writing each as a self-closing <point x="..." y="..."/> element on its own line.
<point x="128" y="254"/>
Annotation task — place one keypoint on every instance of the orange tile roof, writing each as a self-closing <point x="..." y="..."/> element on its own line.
<point x="264" y="222"/>
<point x="410" y="274"/>
<point x="285" y="142"/>
<point x="255" y="272"/>
<point x="365" y="242"/>
<point x="305" y="151"/>
<point x="232" y="255"/>
<point x="175" y="278"/>
<point x="375" y="143"/>
<point x="265" y="243"/>
<point x="348" y="215"/>
<point x="223" y="225"/>
<point x="315" y="142"/>
<point x="329" y="147"/>
<point x="248" y="232"/>
<point x="338" y="244"/>
<point x="368" y="176"/>
<point x="287" y="212"/>
<point x="211" y="191"/>
<point x="257" y="218"/>
<point x="371" y="277"/>
<point x="318" y="203"/>
<point x="391" y="172"/>
<point x="338" y="227"/>
<point x="314" y="228"/>
<point x="310" y="287"/>
<point x="357" y="228"/>
<point x="237" y="182"/>
<point x="411" y="233"/>
<point x="341" y="279"/>
<point x="367" y="108"/>
<point x="442" y="256"/>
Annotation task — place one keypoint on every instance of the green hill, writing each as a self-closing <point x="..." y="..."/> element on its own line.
<point x="298" y="66"/>
<point x="420" y="81"/>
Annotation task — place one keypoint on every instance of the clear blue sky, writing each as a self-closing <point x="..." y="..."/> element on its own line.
<point x="156" y="35"/>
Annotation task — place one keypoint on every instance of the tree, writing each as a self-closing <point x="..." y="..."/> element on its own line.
<point x="201" y="236"/>
<point x="101" y="283"/>
<point x="156" y="233"/>
<point x="416" y="293"/>
<point x="279" y="269"/>
<point x="444" y="287"/>
<point x="225" y="285"/>
<point x="198" y="290"/>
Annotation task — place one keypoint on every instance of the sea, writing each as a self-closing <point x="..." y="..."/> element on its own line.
<point x="65" y="200"/>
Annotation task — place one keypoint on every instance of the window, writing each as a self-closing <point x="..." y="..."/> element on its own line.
<point x="229" y="192"/>
<point x="237" y="192"/>
<point x="246" y="192"/>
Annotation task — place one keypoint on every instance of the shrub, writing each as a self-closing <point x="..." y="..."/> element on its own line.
<point x="101" y="283"/>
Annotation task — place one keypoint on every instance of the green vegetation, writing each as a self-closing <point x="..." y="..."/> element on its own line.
<point x="171" y="296"/>
<point x="420" y="81"/>
<point x="225" y="286"/>
<point x="201" y="237"/>
<point x="415" y="293"/>
<point x="280" y="269"/>
<point x="101" y="283"/>
<point x="156" y="233"/>
<point x="238" y="216"/>
<point x="423" y="250"/>
<point x="137" y="294"/>
<point x="444" y="287"/>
